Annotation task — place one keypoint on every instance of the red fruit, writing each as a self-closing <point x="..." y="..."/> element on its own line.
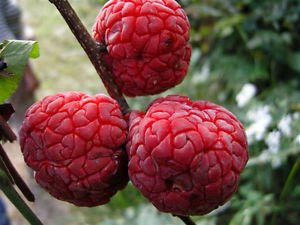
<point x="185" y="156"/>
<point x="74" y="143"/>
<point x="147" y="44"/>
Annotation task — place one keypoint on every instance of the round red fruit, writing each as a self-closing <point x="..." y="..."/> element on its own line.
<point x="75" y="144"/>
<point x="147" y="44"/>
<point x="186" y="157"/>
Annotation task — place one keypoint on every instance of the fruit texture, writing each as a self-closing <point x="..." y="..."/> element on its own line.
<point x="75" y="144"/>
<point x="186" y="157"/>
<point x="147" y="44"/>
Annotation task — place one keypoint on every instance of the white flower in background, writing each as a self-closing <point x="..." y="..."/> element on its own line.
<point x="261" y="118"/>
<point x="264" y="156"/>
<point x="273" y="141"/>
<point x="284" y="125"/>
<point x="276" y="162"/>
<point x="246" y="94"/>
<point x="271" y="153"/>
<point x="202" y="76"/>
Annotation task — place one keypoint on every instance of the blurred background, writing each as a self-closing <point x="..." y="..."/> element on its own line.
<point x="246" y="56"/>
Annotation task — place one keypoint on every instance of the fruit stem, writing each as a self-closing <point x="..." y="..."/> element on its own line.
<point x="15" y="198"/>
<point x="186" y="219"/>
<point x="14" y="176"/>
<point x="92" y="49"/>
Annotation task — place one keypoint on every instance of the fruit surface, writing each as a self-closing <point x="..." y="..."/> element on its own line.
<point x="75" y="144"/>
<point x="186" y="157"/>
<point x="147" y="44"/>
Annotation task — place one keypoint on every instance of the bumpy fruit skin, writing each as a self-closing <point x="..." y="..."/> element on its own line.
<point x="147" y="43"/>
<point x="75" y="144"/>
<point x="185" y="156"/>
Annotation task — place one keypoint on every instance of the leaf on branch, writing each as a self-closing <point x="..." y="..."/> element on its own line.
<point x="14" y="55"/>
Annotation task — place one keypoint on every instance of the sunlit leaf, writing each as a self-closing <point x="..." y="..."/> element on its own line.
<point x="15" y="54"/>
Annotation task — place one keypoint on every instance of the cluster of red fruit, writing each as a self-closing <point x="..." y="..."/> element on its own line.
<point x="184" y="156"/>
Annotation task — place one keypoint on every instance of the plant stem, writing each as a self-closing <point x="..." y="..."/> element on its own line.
<point x="3" y="166"/>
<point x="15" y="198"/>
<point x="186" y="219"/>
<point x="287" y="186"/>
<point x="92" y="49"/>
<point x="13" y="173"/>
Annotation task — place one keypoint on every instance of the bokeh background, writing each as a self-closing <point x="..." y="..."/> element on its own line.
<point x="246" y="56"/>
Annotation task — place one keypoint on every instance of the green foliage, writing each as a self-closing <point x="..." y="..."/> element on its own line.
<point x="257" y="43"/>
<point x="15" y="54"/>
<point x="235" y="42"/>
<point x="253" y="42"/>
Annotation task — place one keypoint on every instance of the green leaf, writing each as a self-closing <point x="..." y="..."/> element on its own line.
<point x="35" y="51"/>
<point x="293" y="61"/>
<point x="225" y="26"/>
<point x="15" y="54"/>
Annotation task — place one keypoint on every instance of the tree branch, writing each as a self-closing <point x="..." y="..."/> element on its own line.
<point x="92" y="49"/>
<point x="6" y="131"/>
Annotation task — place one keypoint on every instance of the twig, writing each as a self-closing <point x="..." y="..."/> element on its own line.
<point x="15" y="198"/>
<point x="6" y="110"/>
<point x="13" y="173"/>
<point x="92" y="49"/>
<point x="6" y="130"/>
<point x="186" y="219"/>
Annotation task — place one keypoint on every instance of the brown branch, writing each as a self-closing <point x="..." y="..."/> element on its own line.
<point x="186" y="219"/>
<point x="13" y="173"/>
<point x="6" y="110"/>
<point x="92" y="49"/>
<point x="6" y="130"/>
